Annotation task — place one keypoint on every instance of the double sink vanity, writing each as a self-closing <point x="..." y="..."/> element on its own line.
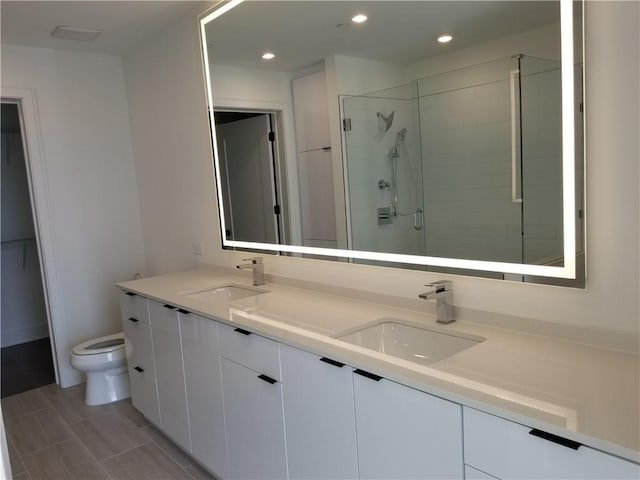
<point x="276" y="381"/>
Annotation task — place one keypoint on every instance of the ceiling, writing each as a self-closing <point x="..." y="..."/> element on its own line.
<point x="124" y="23"/>
<point x="300" y="32"/>
<point x="304" y="32"/>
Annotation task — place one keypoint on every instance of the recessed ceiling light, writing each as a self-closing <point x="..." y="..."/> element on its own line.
<point x="75" y="33"/>
<point x="360" y="18"/>
<point x="446" y="38"/>
<point x="268" y="56"/>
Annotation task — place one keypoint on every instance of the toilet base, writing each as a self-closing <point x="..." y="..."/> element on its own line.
<point x="107" y="387"/>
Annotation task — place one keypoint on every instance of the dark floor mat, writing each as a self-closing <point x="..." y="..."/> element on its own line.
<point x="26" y="366"/>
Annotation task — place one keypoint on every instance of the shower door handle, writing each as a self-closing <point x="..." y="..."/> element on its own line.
<point x="513" y="74"/>
<point x="418" y="219"/>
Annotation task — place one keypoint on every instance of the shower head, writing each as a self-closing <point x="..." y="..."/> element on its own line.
<point x="393" y="153"/>
<point x="387" y="121"/>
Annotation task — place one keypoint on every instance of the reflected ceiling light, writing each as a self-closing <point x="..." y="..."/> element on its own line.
<point x="445" y="38"/>
<point x="268" y="56"/>
<point x="360" y="18"/>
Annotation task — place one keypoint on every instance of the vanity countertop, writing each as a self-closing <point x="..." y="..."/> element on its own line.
<point x="585" y="393"/>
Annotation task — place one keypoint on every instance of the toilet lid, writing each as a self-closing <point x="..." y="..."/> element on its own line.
<point x="108" y="343"/>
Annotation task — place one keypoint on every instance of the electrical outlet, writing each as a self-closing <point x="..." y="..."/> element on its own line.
<point x="197" y="248"/>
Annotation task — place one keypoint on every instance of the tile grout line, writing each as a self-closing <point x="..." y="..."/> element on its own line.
<point x="166" y="452"/>
<point x="74" y="436"/>
<point x="100" y="466"/>
<point x="32" y="412"/>
<point x="104" y="409"/>
<point x="123" y="452"/>
<point x="13" y="445"/>
<point x="56" y="410"/>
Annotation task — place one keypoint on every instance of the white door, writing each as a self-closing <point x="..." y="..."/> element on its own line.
<point x="204" y="392"/>
<point x="246" y="164"/>
<point x="404" y="433"/>
<point x="316" y="198"/>
<point x="167" y="351"/>
<point x="255" y="424"/>
<point x="311" y="112"/>
<point x="139" y="346"/>
<point x="318" y="416"/>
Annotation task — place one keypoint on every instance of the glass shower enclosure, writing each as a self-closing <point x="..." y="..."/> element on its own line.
<point x="464" y="164"/>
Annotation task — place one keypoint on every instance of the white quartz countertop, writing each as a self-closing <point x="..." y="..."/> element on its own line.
<point x="585" y="393"/>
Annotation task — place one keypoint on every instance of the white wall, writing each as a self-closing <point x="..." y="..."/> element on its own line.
<point x="90" y="186"/>
<point x="172" y="148"/>
<point x="359" y="76"/>
<point x="611" y="297"/>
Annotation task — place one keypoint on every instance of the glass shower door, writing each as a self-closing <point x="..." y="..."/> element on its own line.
<point x="541" y="84"/>
<point x="469" y="121"/>
<point x="383" y="171"/>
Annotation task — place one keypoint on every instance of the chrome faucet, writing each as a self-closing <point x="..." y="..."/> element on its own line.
<point x="257" y="268"/>
<point x="442" y="291"/>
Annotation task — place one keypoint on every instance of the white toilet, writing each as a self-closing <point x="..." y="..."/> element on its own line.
<point x="104" y="361"/>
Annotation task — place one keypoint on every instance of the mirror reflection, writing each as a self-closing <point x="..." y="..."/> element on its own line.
<point x="378" y="136"/>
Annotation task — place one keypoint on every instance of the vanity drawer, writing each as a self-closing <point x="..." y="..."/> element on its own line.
<point x="134" y="308"/>
<point x="507" y="450"/>
<point x="253" y="351"/>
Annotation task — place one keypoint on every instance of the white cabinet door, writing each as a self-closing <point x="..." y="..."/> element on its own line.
<point x="315" y="174"/>
<point x="311" y="110"/>
<point x="255" y="425"/>
<point x="404" y="433"/>
<point x="141" y="367"/>
<point x="204" y="392"/>
<point x="167" y="351"/>
<point x="319" y="417"/>
<point x="509" y="450"/>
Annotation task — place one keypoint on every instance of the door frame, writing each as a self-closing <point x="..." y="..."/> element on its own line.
<point x="269" y="179"/>
<point x="285" y="160"/>
<point x="25" y="99"/>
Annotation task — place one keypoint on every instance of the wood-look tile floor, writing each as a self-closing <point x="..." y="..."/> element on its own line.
<point x="52" y="434"/>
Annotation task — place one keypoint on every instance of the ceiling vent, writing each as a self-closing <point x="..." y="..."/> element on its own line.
<point x="75" y="33"/>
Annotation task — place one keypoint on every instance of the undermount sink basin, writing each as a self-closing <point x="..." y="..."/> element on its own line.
<point x="399" y="339"/>
<point x="225" y="293"/>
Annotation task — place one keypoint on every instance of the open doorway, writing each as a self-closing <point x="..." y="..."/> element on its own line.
<point x="26" y="345"/>
<point x="253" y="176"/>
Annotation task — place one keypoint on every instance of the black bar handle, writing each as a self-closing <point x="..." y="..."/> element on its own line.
<point x="565" y="442"/>
<point x="131" y="294"/>
<point x="133" y="319"/>
<point x="330" y="361"/>
<point x="170" y="307"/>
<point x="369" y="375"/>
<point x="138" y="369"/>
<point x="267" y="379"/>
<point x="183" y="311"/>
<point x="242" y="331"/>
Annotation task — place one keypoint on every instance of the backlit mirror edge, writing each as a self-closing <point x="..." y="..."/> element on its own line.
<point x="567" y="271"/>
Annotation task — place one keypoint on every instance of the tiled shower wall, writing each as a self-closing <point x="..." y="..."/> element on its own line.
<point x="368" y="161"/>
<point x="456" y="164"/>
<point x="465" y="119"/>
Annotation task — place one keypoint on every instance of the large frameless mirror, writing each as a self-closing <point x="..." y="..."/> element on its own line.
<point x="436" y="135"/>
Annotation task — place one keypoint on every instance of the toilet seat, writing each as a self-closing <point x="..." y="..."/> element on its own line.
<point x="97" y="346"/>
